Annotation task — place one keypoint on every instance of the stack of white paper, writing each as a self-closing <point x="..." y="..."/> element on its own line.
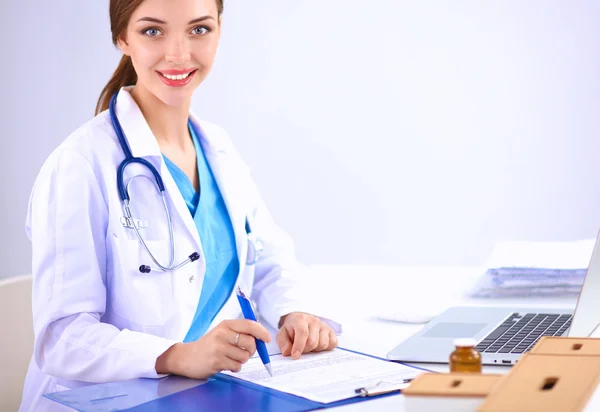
<point x="518" y="269"/>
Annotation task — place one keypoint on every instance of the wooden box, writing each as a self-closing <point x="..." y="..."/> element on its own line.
<point x="549" y="383"/>
<point x="450" y="392"/>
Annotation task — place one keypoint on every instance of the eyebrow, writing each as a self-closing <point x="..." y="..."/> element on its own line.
<point x="158" y="21"/>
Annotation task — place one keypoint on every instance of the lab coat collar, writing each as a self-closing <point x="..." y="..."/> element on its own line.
<point x="140" y="138"/>
<point x="213" y="137"/>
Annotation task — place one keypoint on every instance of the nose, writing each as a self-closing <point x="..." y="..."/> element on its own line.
<point x="178" y="50"/>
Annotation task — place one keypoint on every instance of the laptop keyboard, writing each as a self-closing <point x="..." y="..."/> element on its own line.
<point x="520" y="332"/>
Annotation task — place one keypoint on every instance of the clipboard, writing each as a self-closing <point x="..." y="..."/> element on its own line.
<point x="220" y="392"/>
<point x="380" y="389"/>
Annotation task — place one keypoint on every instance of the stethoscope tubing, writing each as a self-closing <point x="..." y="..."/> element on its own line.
<point x="123" y="189"/>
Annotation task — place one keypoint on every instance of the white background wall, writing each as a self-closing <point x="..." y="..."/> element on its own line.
<point x="385" y="131"/>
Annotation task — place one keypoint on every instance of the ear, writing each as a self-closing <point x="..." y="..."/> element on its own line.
<point x="123" y="45"/>
<point x="220" y="26"/>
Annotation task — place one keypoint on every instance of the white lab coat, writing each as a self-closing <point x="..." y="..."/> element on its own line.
<point x="96" y="317"/>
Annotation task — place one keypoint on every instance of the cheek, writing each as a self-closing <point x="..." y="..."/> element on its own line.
<point x="146" y="58"/>
<point x="205" y="54"/>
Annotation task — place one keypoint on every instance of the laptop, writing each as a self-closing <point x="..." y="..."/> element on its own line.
<point x="503" y="334"/>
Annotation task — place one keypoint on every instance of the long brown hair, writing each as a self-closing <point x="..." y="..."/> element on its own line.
<point x="125" y="75"/>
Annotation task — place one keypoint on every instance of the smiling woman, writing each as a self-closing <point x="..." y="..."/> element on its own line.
<point x="128" y="22"/>
<point x="117" y="294"/>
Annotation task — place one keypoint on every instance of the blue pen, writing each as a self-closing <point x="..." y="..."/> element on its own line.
<point x="248" y="312"/>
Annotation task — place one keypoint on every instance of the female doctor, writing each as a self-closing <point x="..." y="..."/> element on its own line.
<point x="131" y="281"/>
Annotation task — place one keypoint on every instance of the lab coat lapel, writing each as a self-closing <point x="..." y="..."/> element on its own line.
<point x="143" y="144"/>
<point x="227" y="176"/>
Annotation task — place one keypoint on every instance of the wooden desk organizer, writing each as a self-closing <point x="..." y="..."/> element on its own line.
<point x="559" y="374"/>
<point x="551" y="345"/>
<point x="449" y="392"/>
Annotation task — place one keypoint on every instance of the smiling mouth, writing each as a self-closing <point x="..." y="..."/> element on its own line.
<point x="176" y="77"/>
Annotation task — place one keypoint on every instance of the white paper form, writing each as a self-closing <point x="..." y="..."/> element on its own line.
<point x="326" y="376"/>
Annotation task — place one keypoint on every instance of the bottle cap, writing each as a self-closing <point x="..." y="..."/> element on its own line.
<point x="465" y="342"/>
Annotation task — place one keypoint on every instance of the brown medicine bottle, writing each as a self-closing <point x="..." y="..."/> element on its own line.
<point x="465" y="358"/>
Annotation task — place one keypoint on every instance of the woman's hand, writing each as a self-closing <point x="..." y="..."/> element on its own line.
<point x="302" y="333"/>
<point x="226" y="347"/>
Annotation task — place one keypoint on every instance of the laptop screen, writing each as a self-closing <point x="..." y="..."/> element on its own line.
<point x="587" y="313"/>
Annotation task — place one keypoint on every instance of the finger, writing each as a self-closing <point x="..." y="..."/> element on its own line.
<point x="250" y="327"/>
<point x="284" y="342"/>
<point x="312" y="342"/>
<point x="236" y="354"/>
<point x="300" y="337"/>
<point x="333" y="341"/>
<point x="247" y="343"/>
<point x="228" y="364"/>
<point x="323" y="340"/>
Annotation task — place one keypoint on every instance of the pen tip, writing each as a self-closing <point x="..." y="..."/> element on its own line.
<point x="268" y="366"/>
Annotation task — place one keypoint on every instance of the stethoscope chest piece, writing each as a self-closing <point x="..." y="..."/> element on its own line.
<point x="255" y="249"/>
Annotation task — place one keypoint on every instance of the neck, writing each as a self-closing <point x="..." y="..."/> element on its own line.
<point x="168" y="124"/>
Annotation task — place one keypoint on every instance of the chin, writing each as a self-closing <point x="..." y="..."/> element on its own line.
<point x="175" y="98"/>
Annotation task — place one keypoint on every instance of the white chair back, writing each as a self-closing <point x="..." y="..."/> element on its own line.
<point x="16" y="344"/>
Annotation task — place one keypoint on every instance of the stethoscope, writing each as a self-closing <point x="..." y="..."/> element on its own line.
<point x="255" y="246"/>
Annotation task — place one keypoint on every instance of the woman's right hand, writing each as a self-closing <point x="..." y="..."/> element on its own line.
<point x="214" y="352"/>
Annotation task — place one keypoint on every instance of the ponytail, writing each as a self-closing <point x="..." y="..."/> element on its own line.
<point x="124" y="75"/>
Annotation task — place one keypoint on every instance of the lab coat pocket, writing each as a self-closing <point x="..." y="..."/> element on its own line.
<point x="141" y="298"/>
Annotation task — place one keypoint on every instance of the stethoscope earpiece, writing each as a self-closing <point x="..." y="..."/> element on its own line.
<point x="191" y="258"/>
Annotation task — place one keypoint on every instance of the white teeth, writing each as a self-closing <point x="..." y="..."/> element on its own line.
<point x="176" y="77"/>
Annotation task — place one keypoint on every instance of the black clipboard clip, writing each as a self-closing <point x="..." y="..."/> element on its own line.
<point x="380" y="390"/>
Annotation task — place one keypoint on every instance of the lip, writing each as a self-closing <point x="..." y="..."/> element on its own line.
<point x="176" y="83"/>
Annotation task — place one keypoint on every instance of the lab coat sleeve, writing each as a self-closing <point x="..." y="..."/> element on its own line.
<point x="67" y="225"/>
<point x="279" y="284"/>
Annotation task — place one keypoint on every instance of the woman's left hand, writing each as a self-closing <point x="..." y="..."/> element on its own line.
<point x="302" y="333"/>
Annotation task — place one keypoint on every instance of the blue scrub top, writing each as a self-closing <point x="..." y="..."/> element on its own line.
<point x="216" y="236"/>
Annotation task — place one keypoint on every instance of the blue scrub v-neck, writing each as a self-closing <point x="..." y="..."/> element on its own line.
<point x="216" y="236"/>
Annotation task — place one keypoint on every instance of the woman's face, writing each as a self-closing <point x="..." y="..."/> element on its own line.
<point x="172" y="44"/>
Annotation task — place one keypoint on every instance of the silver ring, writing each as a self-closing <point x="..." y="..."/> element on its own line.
<point x="237" y="339"/>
